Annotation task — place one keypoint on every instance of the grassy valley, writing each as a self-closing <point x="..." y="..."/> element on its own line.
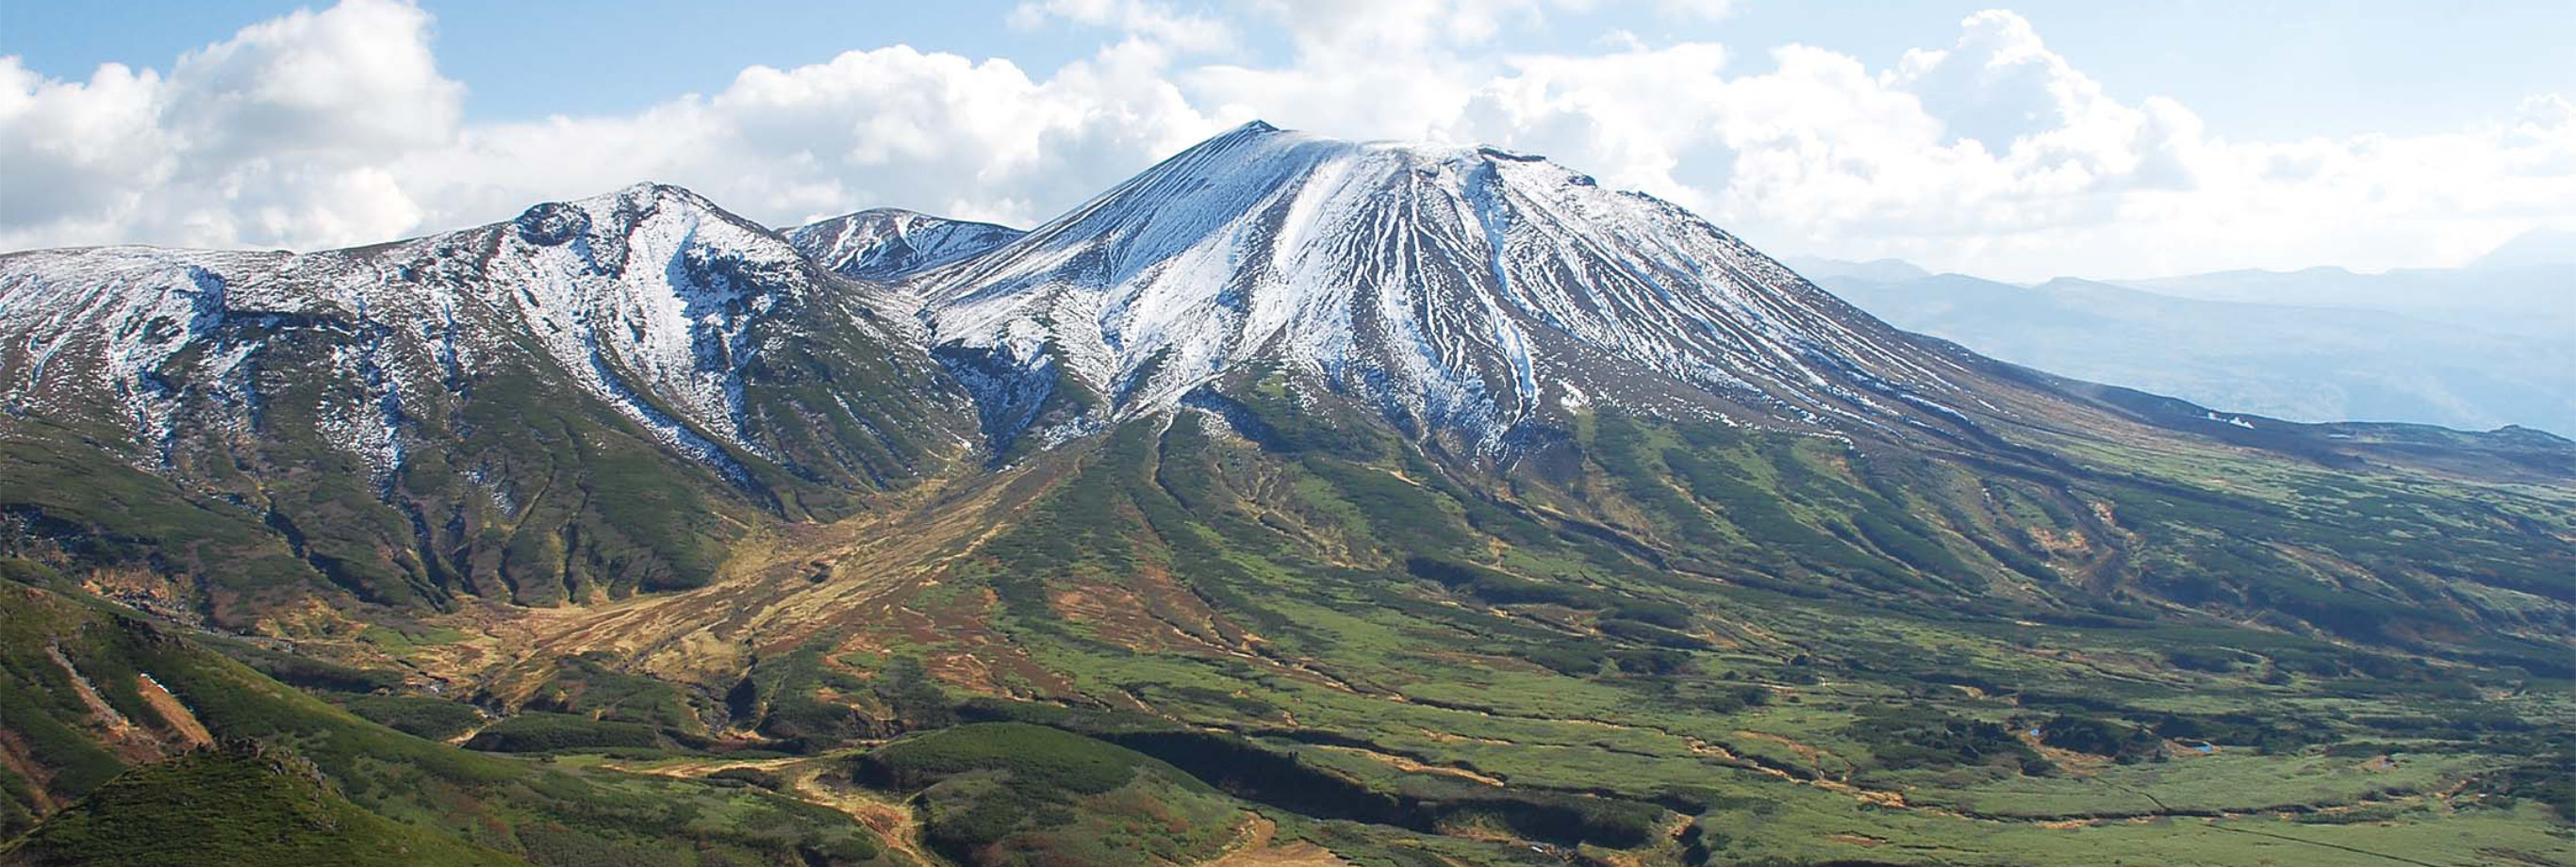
<point x="1667" y="645"/>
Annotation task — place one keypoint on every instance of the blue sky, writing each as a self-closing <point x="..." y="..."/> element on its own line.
<point x="2259" y="68"/>
<point x="2098" y="138"/>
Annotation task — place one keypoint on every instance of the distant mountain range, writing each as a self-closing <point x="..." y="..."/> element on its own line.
<point x="2477" y="347"/>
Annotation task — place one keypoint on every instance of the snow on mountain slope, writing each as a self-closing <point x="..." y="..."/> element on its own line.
<point x="1463" y="292"/>
<point x="889" y="243"/>
<point x="651" y="300"/>
<point x="1461" y="289"/>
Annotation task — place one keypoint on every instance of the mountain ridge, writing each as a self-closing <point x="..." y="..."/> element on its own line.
<point x="891" y="243"/>
<point x="440" y="389"/>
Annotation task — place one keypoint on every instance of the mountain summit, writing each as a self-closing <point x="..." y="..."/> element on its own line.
<point x="889" y="243"/>
<point x="1466" y="290"/>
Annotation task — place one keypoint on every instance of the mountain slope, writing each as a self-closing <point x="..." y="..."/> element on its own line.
<point x="109" y="717"/>
<point x="2536" y="248"/>
<point x="237" y="804"/>
<point x="587" y="400"/>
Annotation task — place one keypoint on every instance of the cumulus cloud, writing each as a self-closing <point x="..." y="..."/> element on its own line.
<point x="1985" y="151"/>
<point x="76" y="154"/>
<point x="278" y="135"/>
<point x="980" y="140"/>
<point x="333" y="128"/>
<point x="1991" y="154"/>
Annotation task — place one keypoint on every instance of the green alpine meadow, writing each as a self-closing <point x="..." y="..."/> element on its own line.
<point x="1300" y="501"/>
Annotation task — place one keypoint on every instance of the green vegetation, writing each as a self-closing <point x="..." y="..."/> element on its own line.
<point x="1911" y="737"/>
<point x="437" y="719"/>
<point x="2100" y="737"/>
<point x="1648" y="641"/>
<point x="586" y="686"/>
<point x="549" y="814"/>
<point x="1019" y="794"/>
<point x="2551" y="782"/>
<point x="539" y="731"/>
<point x="1045" y="762"/>
<point x="238" y="803"/>
<point x="1801" y="635"/>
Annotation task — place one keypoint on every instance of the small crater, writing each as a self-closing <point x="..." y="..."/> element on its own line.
<point x="552" y="224"/>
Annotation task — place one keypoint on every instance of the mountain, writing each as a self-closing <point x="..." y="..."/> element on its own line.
<point x="888" y="243"/>
<point x="1298" y="501"/>
<point x="2533" y="249"/>
<point x="584" y="401"/>
<point x="1471" y="292"/>
<point x="2530" y="300"/>
<point x="1834" y="271"/>
<point x="2302" y="363"/>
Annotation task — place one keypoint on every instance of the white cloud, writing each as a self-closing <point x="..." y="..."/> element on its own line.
<point x="1703" y="10"/>
<point x="279" y="135"/>
<point x="336" y="128"/>
<point x="1992" y="154"/>
<point x="356" y="78"/>
<point x="74" y="155"/>
<point x="981" y="140"/>
<point x="1988" y="153"/>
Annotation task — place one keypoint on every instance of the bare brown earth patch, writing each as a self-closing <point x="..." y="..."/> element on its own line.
<point x="876" y="583"/>
<point x="1145" y="612"/>
<point x="1258" y="846"/>
<point x="15" y="756"/>
<point x="119" y="734"/>
<point x="806" y="779"/>
<point x="115" y="724"/>
<point x="1405" y="764"/>
<point x="1810" y="754"/>
<point x="182" y="721"/>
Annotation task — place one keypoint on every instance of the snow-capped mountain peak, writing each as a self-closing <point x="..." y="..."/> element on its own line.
<point x="1469" y="289"/>
<point x="651" y="299"/>
<point x="891" y="243"/>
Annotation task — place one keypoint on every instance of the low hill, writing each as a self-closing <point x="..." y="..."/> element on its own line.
<point x="235" y="803"/>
